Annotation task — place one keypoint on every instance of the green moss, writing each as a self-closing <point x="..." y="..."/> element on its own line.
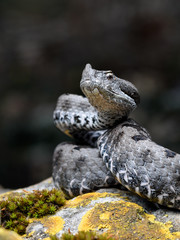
<point x="82" y="236"/>
<point x="16" y="210"/>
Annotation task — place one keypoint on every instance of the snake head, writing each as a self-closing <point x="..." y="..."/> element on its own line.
<point x="108" y="93"/>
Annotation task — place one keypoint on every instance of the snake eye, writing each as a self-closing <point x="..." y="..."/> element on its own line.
<point x="109" y="75"/>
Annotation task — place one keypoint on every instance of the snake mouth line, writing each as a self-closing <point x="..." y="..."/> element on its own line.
<point x="122" y="95"/>
<point x="94" y="89"/>
<point x="85" y="80"/>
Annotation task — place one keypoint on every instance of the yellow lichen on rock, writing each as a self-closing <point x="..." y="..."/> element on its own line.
<point x="176" y="235"/>
<point x="85" y="199"/>
<point x="9" y="235"/>
<point x="105" y="216"/>
<point x="109" y="213"/>
<point x="53" y="224"/>
<point x="50" y="226"/>
<point x="125" y="220"/>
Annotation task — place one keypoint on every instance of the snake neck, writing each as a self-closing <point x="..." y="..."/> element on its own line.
<point x="70" y="122"/>
<point x="74" y="113"/>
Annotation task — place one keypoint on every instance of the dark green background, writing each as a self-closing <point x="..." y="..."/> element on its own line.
<point x="44" y="46"/>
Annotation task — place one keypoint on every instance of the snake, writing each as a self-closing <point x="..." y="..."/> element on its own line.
<point x="111" y="149"/>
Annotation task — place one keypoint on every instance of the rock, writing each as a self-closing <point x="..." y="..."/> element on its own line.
<point x="115" y="213"/>
<point x="46" y="184"/>
<point x="120" y="214"/>
<point x="3" y="190"/>
<point x="9" y="235"/>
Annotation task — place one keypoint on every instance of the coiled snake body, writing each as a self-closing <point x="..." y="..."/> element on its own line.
<point x="131" y="158"/>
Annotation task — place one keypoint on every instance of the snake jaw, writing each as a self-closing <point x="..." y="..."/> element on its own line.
<point x="108" y="93"/>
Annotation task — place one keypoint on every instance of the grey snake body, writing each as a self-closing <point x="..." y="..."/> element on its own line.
<point x="131" y="158"/>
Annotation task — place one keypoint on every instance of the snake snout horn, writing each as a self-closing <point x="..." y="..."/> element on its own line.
<point x="87" y="71"/>
<point x="88" y="67"/>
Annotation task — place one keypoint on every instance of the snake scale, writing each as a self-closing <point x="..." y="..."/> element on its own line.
<point x="118" y="151"/>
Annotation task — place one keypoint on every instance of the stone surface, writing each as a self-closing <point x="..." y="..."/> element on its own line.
<point x="9" y="235"/>
<point x="3" y="190"/>
<point x="46" y="184"/>
<point x="113" y="212"/>
<point x="118" y="213"/>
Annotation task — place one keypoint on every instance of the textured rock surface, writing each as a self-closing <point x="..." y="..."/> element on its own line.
<point x="3" y="190"/>
<point x="46" y="184"/>
<point x="9" y="235"/>
<point x="118" y="213"/>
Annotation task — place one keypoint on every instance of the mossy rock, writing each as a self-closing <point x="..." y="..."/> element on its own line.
<point x="17" y="209"/>
<point x="105" y="213"/>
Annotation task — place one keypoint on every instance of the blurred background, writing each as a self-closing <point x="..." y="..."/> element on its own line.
<point x="44" y="46"/>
